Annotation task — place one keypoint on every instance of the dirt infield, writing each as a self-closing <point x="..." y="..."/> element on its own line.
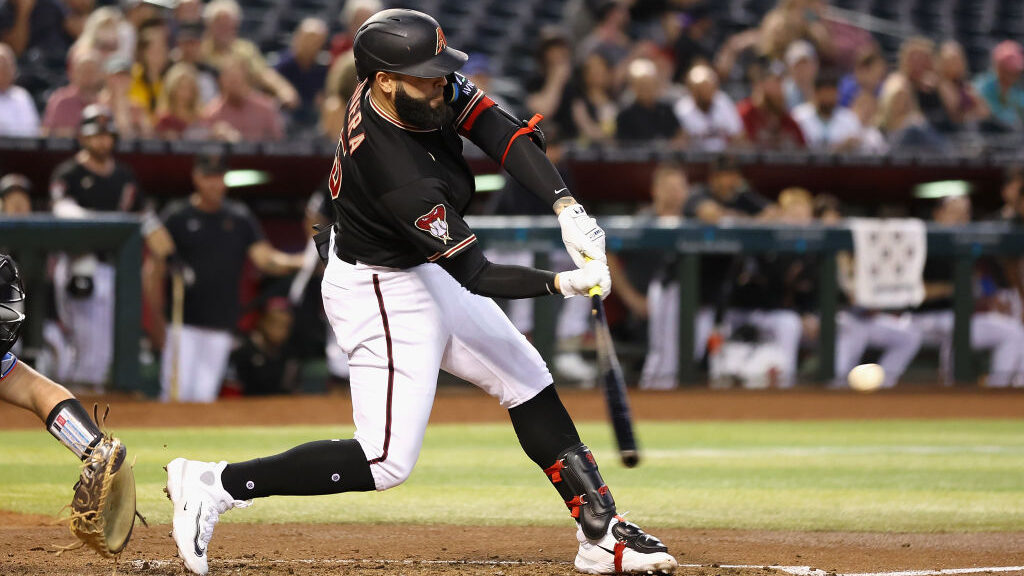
<point x="470" y="405"/>
<point x="363" y="550"/>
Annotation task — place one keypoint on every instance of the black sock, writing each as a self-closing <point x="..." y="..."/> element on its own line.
<point x="544" y="427"/>
<point x="321" y="467"/>
<point x="71" y="424"/>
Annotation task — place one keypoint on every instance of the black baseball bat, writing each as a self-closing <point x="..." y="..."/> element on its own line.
<point x="613" y="384"/>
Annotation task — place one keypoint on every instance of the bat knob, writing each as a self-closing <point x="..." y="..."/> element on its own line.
<point x="630" y="458"/>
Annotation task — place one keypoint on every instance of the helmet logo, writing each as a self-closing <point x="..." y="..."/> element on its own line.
<point x="442" y="43"/>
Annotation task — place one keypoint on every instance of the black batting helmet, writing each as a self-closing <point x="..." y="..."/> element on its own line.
<point x="407" y="42"/>
<point x="12" y="294"/>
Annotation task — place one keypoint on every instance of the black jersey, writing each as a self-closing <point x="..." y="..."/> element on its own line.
<point x="215" y="245"/>
<point x="400" y="192"/>
<point x="114" y="192"/>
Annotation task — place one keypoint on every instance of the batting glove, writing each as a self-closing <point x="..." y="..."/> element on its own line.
<point x="579" y="282"/>
<point x="582" y="236"/>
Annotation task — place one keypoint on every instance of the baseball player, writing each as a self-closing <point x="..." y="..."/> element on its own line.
<point x="93" y="181"/>
<point x="408" y="291"/>
<point x="64" y="415"/>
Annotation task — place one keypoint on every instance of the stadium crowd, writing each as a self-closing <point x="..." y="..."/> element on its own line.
<point x="617" y="73"/>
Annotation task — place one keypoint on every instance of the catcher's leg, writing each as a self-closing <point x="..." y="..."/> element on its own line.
<point x="64" y="415"/>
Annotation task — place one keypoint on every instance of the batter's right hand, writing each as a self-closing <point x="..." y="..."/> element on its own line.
<point x="579" y="282"/>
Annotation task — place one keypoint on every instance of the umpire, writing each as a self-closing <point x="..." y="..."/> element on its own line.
<point x="213" y="236"/>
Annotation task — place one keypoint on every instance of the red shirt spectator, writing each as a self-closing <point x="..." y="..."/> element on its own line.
<point x="765" y="118"/>
<point x="64" y="108"/>
<point x="252" y="114"/>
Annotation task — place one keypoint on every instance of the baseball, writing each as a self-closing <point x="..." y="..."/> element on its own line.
<point x="866" y="377"/>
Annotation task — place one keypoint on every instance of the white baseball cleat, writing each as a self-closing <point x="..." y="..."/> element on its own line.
<point x="199" y="499"/>
<point x="625" y="549"/>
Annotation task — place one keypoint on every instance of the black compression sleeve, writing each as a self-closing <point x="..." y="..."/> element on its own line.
<point x="531" y="168"/>
<point x="471" y="269"/>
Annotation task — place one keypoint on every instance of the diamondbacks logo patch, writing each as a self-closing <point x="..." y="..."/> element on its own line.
<point x="435" y="223"/>
<point x="442" y="43"/>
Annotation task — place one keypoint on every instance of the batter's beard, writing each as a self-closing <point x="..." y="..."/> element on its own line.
<point x="416" y="111"/>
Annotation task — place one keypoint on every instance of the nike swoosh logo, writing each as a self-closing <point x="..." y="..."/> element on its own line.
<point x="612" y="552"/>
<point x="195" y="541"/>
<point x="557" y="192"/>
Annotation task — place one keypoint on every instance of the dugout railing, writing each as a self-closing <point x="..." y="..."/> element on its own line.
<point x="31" y="238"/>
<point x="963" y="244"/>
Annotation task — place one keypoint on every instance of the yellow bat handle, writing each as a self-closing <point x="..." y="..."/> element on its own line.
<point x="596" y="290"/>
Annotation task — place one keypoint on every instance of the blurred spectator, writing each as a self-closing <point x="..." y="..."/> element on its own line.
<point x="1013" y="183"/>
<point x="188" y="50"/>
<point x="252" y="114"/>
<point x="859" y="90"/>
<point x="694" y="44"/>
<point x="802" y="67"/>
<point x="352" y="16"/>
<point x="136" y="14"/>
<point x="34" y="24"/>
<point x="188" y="11"/>
<point x="1001" y="87"/>
<point x="131" y="119"/>
<point x="765" y="117"/>
<point x="18" y="116"/>
<point x="593" y="107"/>
<point x="900" y="120"/>
<point x="726" y="195"/>
<point x="707" y="114"/>
<point x="179" y="113"/>
<point x="990" y="330"/>
<point x="828" y="127"/>
<point x="964" y="106"/>
<point x="609" y="37"/>
<point x="222" y="48"/>
<point x="151" y="62"/>
<point x="304" y="69"/>
<point x="101" y="33"/>
<point x="549" y="87"/>
<point x="263" y="364"/>
<point x="750" y="48"/>
<point x="15" y="195"/>
<point x="917" y="65"/>
<point x="213" y="238"/>
<point x="649" y="118"/>
<point x="64" y="108"/>
<point x="89" y="183"/>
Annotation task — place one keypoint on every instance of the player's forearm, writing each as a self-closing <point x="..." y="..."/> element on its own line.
<point x="28" y="389"/>
<point x="528" y="164"/>
<point x="472" y="270"/>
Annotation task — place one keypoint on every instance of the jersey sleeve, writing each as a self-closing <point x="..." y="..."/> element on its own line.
<point x="516" y="145"/>
<point x="251" y="226"/>
<point x="421" y="214"/>
<point x="132" y="198"/>
<point x="7" y="364"/>
<point x="59" y="183"/>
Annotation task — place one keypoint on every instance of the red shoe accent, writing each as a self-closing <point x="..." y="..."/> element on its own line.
<point x="603" y="490"/>
<point x="619" y="547"/>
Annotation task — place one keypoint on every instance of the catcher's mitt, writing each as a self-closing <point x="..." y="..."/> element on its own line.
<point x="103" y="510"/>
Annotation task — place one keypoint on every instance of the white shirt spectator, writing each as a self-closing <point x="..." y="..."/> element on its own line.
<point x="711" y="130"/>
<point x="18" y="115"/>
<point x="828" y="135"/>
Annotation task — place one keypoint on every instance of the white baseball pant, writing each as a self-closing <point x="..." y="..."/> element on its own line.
<point x="203" y="355"/>
<point x="894" y="335"/>
<point x="89" y="322"/>
<point x="399" y="327"/>
<point x="999" y="333"/>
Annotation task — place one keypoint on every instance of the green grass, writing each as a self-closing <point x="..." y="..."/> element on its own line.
<point x="921" y="476"/>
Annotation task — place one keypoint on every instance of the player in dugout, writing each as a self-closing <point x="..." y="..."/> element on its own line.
<point x="408" y="291"/>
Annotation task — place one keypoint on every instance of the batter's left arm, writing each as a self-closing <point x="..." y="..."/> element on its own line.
<point x="519" y="147"/>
